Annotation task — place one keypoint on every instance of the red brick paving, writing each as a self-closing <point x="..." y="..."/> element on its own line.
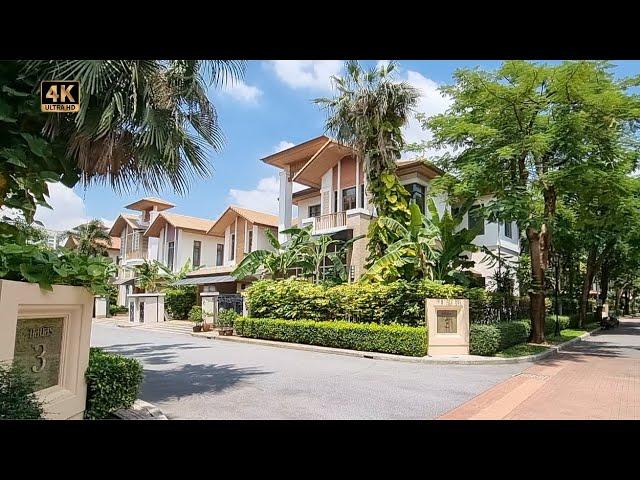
<point x="596" y="379"/>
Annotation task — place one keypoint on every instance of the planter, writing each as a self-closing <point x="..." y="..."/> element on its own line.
<point x="197" y="328"/>
<point x="225" y="331"/>
<point x="49" y="333"/>
<point x="206" y="327"/>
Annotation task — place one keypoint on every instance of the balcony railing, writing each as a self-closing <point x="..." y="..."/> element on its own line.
<point x="332" y="220"/>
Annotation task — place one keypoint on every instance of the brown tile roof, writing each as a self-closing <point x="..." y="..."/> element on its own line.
<point x="185" y="222"/>
<point x="211" y="270"/>
<point x="254" y="216"/>
<point x="148" y="203"/>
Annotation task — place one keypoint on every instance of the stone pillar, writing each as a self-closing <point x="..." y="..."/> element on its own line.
<point x="285" y="204"/>
<point x="210" y="307"/>
<point x="448" y="323"/>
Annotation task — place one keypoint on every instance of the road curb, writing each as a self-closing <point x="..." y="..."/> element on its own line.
<point x="141" y="410"/>
<point x="467" y="360"/>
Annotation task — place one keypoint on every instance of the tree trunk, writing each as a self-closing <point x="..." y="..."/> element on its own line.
<point x="604" y="287"/>
<point x="626" y="302"/>
<point x="586" y="287"/>
<point x="537" y="291"/>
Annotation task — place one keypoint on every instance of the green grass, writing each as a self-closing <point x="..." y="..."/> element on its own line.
<point x="522" y="350"/>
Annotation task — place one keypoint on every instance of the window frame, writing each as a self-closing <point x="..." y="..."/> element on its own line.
<point x="318" y="207"/>
<point x="354" y="197"/>
<point x="199" y="250"/>
<point x="475" y="208"/>
<point x="171" y="250"/>
<point x="219" y="254"/>
<point x="232" y="243"/>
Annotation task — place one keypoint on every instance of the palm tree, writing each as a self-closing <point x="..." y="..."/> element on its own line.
<point x="367" y="114"/>
<point x="92" y="238"/>
<point x="141" y="122"/>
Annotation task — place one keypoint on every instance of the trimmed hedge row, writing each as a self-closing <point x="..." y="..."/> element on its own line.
<point x="396" y="302"/>
<point x="371" y="337"/>
<point x="487" y="340"/>
<point x="113" y="382"/>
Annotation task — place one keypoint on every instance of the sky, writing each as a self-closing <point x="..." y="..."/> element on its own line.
<point x="271" y="109"/>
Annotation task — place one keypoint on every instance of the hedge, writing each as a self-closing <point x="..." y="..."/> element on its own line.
<point x="489" y="339"/>
<point x="371" y="337"/>
<point x="18" y="400"/>
<point x="179" y="300"/>
<point x="113" y="382"/>
<point x="396" y="302"/>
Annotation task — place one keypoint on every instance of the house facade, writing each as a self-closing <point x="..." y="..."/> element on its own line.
<point x="113" y="249"/>
<point x="335" y="201"/>
<point x="135" y="248"/>
<point x="238" y="231"/>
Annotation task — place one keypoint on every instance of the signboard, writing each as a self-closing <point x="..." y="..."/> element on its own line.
<point x="447" y="321"/>
<point x="37" y="349"/>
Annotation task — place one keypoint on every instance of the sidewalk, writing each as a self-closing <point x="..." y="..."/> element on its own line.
<point x="596" y="379"/>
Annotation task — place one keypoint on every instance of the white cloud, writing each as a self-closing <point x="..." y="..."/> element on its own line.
<point x="68" y="209"/>
<point x="263" y="198"/>
<point x="283" y="145"/>
<point x="313" y="74"/>
<point x="382" y="63"/>
<point x="242" y="92"/>
<point x="431" y="102"/>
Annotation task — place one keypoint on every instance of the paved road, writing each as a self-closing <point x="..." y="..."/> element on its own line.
<point x="195" y="378"/>
<point x="596" y="379"/>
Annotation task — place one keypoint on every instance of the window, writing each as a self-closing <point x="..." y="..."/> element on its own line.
<point x="219" y="254"/>
<point x="417" y="193"/>
<point x="362" y="196"/>
<point x="232" y="253"/>
<point x="349" y="198"/>
<point x="335" y="201"/>
<point x="314" y="210"/>
<point x="170" y="255"/>
<point x="197" y="246"/>
<point x="250" y="240"/>
<point x="476" y="219"/>
<point x="136" y="241"/>
<point x="508" y="231"/>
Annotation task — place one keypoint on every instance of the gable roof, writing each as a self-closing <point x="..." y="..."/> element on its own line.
<point x="185" y="222"/>
<point x="72" y="242"/>
<point x="125" y="219"/>
<point x="233" y="211"/>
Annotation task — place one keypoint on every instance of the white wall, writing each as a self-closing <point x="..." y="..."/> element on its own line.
<point x="303" y="207"/>
<point x="262" y="243"/>
<point x="492" y="237"/>
<point x="207" y="248"/>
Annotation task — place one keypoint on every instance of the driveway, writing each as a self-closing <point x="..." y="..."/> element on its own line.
<point x="596" y="379"/>
<point x="195" y="378"/>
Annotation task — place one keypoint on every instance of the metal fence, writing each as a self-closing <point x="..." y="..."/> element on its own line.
<point x="231" y="301"/>
<point x="504" y="310"/>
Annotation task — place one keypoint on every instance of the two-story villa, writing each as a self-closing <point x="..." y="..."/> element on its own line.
<point x="336" y="202"/>
<point x="240" y="231"/>
<point x="135" y="248"/>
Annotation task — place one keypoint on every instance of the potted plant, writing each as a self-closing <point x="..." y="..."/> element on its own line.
<point x="195" y="315"/>
<point x="226" y="320"/>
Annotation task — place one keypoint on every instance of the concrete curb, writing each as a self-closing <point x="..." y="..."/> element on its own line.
<point x="448" y="360"/>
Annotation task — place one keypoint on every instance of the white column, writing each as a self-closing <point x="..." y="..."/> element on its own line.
<point x="285" y="204"/>
<point x="358" y="184"/>
<point x="366" y="200"/>
<point x="339" y="186"/>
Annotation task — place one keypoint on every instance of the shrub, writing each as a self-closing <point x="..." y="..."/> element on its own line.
<point x="227" y="318"/>
<point x="179" y="300"/>
<point x="17" y="398"/>
<point x="397" y="302"/>
<point x="195" y="314"/>
<point x="488" y="339"/>
<point x="371" y="337"/>
<point x="116" y="309"/>
<point x="113" y="382"/>
<point x="550" y="323"/>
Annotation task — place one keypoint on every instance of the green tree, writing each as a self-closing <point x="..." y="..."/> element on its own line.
<point x="515" y="131"/>
<point x="92" y="238"/>
<point x="367" y="114"/>
<point x="142" y="123"/>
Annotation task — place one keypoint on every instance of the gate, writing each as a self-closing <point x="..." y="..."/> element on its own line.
<point x="233" y="301"/>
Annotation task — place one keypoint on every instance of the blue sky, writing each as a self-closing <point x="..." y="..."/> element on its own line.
<point x="272" y="108"/>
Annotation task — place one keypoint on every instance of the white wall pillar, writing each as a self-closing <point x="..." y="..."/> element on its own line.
<point x="285" y="204"/>
<point x="358" y="184"/>
<point x="339" y="186"/>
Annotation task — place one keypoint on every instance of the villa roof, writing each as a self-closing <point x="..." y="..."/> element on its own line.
<point x="147" y="203"/>
<point x="72" y="242"/>
<point x="233" y="211"/>
<point x="125" y="219"/>
<point x="185" y="222"/>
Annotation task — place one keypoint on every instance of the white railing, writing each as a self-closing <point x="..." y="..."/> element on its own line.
<point x="332" y="220"/>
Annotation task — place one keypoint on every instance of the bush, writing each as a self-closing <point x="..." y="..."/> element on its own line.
<point x="227" y="318"/>
<point x="398" y="339"/>
<point x="195" y="314"/>
<point x="397" y="302"/>
<point x="116" y="309"/>
<point x="17" y="398"/>
<point x="487" y="340"/>
<point x="179" y="300"/>
<point x="550" y="323"/>
<point x="113" y="382"/>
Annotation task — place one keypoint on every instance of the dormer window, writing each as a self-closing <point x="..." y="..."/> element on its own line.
<point x="476" y="218"/>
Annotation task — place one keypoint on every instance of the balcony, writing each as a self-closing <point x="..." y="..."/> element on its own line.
<point x="331" y="222"/>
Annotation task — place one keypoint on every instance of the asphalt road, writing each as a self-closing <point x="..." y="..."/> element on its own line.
<point x="196" y="378"/>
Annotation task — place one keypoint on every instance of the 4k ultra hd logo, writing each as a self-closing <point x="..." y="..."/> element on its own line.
<point x="60" y="96"/>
